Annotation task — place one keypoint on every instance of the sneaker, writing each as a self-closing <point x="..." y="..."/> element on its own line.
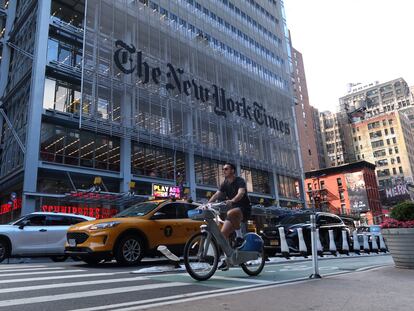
<point x="223" y="266"/>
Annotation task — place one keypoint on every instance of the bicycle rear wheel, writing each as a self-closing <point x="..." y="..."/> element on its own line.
<point x="254" y="267"/>
<point x="201" y="256"/>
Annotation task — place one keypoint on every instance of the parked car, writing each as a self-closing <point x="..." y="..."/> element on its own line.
<point x="372" y="231"/>
<point x="265" y="221"/>
<point x="134" y="233"/>
<point x="324" y="222"/>
<point x="37" y="234"/>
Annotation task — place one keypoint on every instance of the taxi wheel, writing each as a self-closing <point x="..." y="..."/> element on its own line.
<point x="129" y="251"/>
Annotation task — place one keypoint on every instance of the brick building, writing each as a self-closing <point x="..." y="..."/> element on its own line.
<point x="346" y="190"/>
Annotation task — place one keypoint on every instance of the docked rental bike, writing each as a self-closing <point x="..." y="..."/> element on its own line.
<point x="203" y="250"/>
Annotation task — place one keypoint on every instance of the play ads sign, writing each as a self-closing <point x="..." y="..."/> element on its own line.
<point x="130" y="61"/>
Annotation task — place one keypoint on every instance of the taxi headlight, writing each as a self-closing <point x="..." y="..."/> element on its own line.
<point x="104" y="225"/>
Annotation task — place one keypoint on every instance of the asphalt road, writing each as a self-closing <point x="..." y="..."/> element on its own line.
<point x="76" y="286"/>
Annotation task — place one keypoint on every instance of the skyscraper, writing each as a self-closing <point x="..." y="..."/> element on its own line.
<point x="148" y="92"/>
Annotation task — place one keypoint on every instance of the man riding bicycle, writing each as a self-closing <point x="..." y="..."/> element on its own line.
<point x="233" y="189"/>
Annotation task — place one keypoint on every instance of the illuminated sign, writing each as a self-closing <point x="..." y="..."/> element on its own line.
<point x="162" y="191"/>
<point x="96" y="212"/>
<point x="11" y="206"/>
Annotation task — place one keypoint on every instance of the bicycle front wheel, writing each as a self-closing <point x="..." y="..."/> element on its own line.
<point x="201" y="256"/>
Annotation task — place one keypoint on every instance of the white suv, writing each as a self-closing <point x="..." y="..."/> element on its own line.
<point x="37" y="234"/>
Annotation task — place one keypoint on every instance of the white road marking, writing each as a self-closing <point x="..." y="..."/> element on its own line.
<point x="237" y="279"/>
<point x="64" y="285"/>
<point x="57" y="277"/>
<point x="169" y="300"/>
<point x="92" y="293"/>
<point x="7" y="267"/>
<point x="29" y="269"/>
<point x="40" y="272"/>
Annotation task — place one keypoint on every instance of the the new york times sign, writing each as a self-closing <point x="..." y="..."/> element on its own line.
<point x="130" y="61"/>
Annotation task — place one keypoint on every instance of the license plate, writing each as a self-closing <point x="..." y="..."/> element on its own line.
<point x="274" y="242"/>
<point x="72" y="242"/>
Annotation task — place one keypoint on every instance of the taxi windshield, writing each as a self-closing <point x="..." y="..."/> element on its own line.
<point x="139" y="209"/>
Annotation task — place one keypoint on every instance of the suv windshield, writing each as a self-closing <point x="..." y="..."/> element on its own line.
<point x="296" y="219"/>
<point x="139" y="209"/>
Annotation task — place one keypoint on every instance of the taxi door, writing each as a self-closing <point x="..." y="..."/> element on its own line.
<point x="165" y="226"/>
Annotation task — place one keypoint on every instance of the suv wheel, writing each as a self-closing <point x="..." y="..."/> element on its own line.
<point x="4" y="249"/>
<point x="129" y="251"/>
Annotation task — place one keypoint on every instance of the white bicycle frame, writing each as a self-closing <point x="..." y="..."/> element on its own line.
<point x="211" y="215"/>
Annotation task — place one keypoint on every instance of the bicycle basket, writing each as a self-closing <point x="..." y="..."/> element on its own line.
<point x="252" y="243"/>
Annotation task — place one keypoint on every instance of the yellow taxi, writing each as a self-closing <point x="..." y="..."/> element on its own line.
<point x="133" y="233"/>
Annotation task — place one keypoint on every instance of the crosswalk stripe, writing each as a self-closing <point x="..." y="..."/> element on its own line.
<point x="29" y="269"/>
<point x="7" y="267"/>
<point x="64" y="285"/>
<point x="93" y="293"/>
<point x="40" y="272"/>
<point x="61" y="277"/>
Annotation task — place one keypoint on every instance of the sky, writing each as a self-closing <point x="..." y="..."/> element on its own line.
<point x="350" y="41"/>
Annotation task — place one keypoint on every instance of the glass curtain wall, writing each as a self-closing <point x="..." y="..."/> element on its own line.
<point x="158" y="63"/>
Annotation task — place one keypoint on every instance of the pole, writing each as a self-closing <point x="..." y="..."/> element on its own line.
<point x="315" y="266"/>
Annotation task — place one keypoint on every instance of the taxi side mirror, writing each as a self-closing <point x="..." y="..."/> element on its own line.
<point x="159" y="215"/>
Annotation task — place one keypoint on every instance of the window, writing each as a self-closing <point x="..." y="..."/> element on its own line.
<point x="390" y="151"/>
<point x="309" y="186"/>
<point x="400" y="170"/>
<point x="341" y="195"/>
<point x="390" y="122"/>
<point x="343" y="209"/>
<point x="80" y="148"/>
<point x="394" y="140"/>
<point x="157" y="162"/>
<point x="398" y="160"/>
<point x="386" y="131"/>
<point x="388" y="141"/>
<point x="339" y="182"/>
<point x="58" y="220"/>
<point x="176" y="210"/>
<point x="36" y="220"/>
<point x="394" y="171"/>
<point x="392" y="130"/>
<point x="396" y="149"/>
<point x="322" y="184"/>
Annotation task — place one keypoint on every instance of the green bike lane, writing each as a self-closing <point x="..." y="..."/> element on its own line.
<point x="280" y="272"/>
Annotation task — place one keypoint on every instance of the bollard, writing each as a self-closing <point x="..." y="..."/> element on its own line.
<point x="345" y="246"/>
<point x="315" y="265"/>
<point x="284" y="248"/>
<point x="318" y="243"/>
<point x="383" y="247"/>
<point x="357" y="247"/>
<point x="374" y="244"/>
<point x="366" y="244"/>
<point x="302" y="245"/>
<point x="332" y="245"/>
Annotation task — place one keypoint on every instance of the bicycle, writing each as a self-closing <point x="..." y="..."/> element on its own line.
<point x="202" y="251"/>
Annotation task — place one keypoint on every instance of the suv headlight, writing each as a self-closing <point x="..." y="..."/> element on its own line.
<point x="104" y="225"/>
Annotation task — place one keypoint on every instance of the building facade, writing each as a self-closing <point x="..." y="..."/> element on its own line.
<point x="319" y="137"/>
<point x="346" y="190"/>
<point x="144" y="92"/>
<point x="304" y="115"/>
<point x="335" y="129"/>
<point x="376" y="98"/>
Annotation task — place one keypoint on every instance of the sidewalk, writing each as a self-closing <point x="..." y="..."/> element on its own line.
<point x="382" y="289"/>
